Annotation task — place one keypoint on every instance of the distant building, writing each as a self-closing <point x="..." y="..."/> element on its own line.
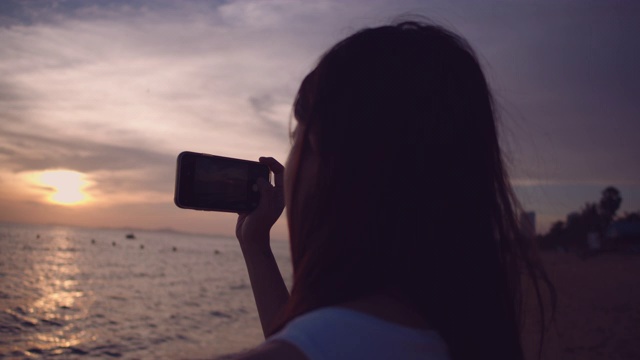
<point x="528" y="224"/>
<point x="624" y="230"/>
<point x="625" y="236"/>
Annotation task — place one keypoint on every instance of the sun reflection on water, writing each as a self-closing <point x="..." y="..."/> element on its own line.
<point x="61" y="299"/>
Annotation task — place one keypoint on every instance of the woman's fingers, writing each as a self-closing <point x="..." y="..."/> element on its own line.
<point x="263" y="185"/>
<point x="276" y="168"/>
<point x="260" y="220"/>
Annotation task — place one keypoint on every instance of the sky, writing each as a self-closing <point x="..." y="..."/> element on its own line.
<point x="97" y="98"/>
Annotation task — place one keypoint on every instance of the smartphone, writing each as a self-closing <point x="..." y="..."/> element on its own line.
<point x="216" y="183"/>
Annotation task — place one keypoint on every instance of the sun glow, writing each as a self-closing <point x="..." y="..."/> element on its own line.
<point x="67" y="186"/>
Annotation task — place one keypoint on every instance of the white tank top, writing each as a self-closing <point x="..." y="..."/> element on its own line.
<point x="335" y="333"/>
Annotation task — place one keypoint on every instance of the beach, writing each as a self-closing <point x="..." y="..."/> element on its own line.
<point x="598" y="308"/>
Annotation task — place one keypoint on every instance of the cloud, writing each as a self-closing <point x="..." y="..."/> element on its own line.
<point x="154" y="78"/>
<point x="563" y="75"/>
<point x="271" y="112"/>
<point x="117" y="174"/>
<point x="116" y="89"/>
<point x="37" y="152"/>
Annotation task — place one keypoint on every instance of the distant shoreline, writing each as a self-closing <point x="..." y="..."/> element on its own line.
<point x="123" y="229"/>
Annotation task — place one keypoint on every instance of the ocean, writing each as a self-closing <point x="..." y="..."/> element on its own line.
<point x="75" y="293"/>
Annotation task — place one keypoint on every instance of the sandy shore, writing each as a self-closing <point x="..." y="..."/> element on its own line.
<point x="598" y="309"/>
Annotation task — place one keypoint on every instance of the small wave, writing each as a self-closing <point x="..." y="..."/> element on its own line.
<point x="21" y="318"/>
<point x="8" y="329"/>
<point x="191" y="304"/>
<point x="183" y="337"/>
<point x="219" y="314"/>
<point x="50" y="322"/>
<point x="78" y="351"/>
<point x="36" y="351"/>
<point x="20" y="354"/>
<point x="48" y="352"/>
<point x="109" y="350"/>
<point x="160" y="340"/>
<point x="112" y="353"/>
<point x="147" y="275"/>
<point x="67" y="249"/>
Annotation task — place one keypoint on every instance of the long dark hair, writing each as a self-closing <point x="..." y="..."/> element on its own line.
<point x="412" y="197"/>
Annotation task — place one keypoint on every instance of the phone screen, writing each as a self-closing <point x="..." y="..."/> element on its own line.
<point x="209" y="182"/>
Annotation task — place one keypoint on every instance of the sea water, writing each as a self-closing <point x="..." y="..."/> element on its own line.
<point x="70" y="292"/>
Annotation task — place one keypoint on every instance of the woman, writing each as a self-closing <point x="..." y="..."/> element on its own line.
<point x="404" y="239"/>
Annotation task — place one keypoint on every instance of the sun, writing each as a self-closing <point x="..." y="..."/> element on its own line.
<point x="67" y="185"/>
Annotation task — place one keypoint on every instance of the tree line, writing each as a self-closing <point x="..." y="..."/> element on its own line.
<point x="593" y="218"/>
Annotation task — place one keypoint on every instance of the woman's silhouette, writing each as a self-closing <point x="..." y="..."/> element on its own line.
<point x="404" y="238"/>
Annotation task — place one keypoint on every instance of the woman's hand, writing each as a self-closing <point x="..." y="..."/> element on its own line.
<point x="252" y="229"/>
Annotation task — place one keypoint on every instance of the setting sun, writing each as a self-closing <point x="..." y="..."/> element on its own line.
<point x="67" y="185"/>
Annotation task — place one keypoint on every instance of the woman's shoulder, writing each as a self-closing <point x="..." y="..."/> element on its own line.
<point x="339" y="322"/>
<point x="344" y="333"/>
<point x="273" y="350"/>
